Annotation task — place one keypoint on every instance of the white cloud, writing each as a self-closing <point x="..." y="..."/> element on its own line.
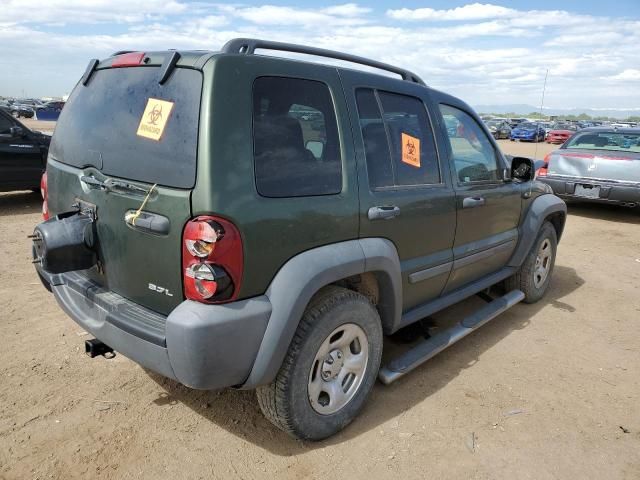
<point x="628" y="75"/>
<point x="490" y="54"/>
<point x="341" y="15"/>
<point x="474" y="11"/>
<point x="87" y="11"/>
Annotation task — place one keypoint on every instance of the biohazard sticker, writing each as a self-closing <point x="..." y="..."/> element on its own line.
<point x="154" y="118"/>
<point x="411" y="150"/>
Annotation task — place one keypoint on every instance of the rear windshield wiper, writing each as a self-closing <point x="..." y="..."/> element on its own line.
<point x="111" y="185"/>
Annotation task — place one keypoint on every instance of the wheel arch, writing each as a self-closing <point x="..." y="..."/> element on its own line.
<point x="544" y="208"/>
<point x="304" y="275"/>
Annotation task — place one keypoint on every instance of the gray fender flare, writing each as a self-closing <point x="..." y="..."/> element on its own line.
<point x="306" y="273"/>
<point x="539" y="210"/>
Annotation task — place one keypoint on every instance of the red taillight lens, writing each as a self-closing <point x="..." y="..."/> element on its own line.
<point x="132" y="59"/>
<point x="542" y="171"/>
<point x="212" y="260"/>
<point x="45" y="193"/>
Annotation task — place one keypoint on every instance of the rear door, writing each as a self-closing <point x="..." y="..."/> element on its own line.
<point x="21" y="162"/>
<point x="125" y="142"/>
<point x="488" y="205"/>
<point x="405" y="191"/>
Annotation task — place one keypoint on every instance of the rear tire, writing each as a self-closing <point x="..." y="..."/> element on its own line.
<point x="535" y="273"/>
<point x="316" y="392"/>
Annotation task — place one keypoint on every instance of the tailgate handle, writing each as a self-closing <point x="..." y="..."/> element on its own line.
<point x="147" y="222"/>
<point x="93" y="182"/>
<point x="471" y="202"/>
<point x="383" y="213"/>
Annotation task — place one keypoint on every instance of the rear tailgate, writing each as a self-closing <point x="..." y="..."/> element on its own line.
<point x="615" y="166"/>
<point x="126" y="131"/>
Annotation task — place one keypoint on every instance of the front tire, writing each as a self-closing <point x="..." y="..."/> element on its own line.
<point x="534" y="275"/>
<point x="330" y="368"/>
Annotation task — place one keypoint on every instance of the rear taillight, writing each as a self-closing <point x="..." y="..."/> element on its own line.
<point x="212" y="260"/>
<point x="45" y="193"/>
<point x="542" y="171"/>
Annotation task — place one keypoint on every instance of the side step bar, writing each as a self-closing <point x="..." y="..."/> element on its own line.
<point x="429" y="348"/>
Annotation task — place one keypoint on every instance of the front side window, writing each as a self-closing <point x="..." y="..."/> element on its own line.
<point x="295" y="138"/>
<point x="398" y="140"/>
<point x="473" y="154"/>
<point x="5" y="125"/>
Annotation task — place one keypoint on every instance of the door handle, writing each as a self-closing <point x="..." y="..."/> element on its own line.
<point x="471" y="202"/>
<point x="383" y="212"/>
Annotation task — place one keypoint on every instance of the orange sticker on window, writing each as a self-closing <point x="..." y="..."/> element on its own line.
<point x="154" y="118"/>
<point x="411" y="150"/>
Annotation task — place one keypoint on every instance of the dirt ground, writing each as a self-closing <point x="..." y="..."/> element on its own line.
<point x="40" y="125"/>
<point x="545" y="391"/>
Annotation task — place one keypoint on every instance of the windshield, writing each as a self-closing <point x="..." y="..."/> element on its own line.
<point x="527" y="126"/>
<point x="617" y="141"/>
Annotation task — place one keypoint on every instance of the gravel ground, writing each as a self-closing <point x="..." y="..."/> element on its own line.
<point x="545" y="391"/>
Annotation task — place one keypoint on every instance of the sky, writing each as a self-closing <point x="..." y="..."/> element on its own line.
<point x="485" y="53"/>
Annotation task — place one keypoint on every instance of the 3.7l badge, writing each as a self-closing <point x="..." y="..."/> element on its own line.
<point x="159" y="289"/>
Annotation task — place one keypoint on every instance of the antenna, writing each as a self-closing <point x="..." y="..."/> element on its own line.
<point x="544" y="89"/>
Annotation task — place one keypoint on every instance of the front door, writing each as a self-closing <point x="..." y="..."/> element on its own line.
<point x="405" y="190"/>
<point x="488" y="204"/>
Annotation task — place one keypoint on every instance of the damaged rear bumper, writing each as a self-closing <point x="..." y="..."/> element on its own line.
<point x="201" y="346"/>
<point x="609" y="192"/>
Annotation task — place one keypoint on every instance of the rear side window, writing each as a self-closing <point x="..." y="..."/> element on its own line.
<point x="295" y="138"/>
<point x="398" y="140"/>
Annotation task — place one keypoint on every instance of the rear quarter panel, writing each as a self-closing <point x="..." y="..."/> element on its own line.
<point x="273" y="229"/>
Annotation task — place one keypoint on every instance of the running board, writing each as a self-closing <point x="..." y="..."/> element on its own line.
<point x="429" y="348"/>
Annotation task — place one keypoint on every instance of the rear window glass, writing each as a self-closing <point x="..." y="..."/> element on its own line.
<point x="626" y="142"/>
<point x="99" y="125"/>
<point x="296" y="145"/>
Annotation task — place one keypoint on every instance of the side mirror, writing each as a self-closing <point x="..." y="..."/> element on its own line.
<point x="522" y="169"/>
<point x="316" y="147"/>
<point x="16" y="132"/>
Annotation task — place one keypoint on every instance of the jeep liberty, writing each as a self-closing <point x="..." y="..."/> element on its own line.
<point x="229" y="219"/>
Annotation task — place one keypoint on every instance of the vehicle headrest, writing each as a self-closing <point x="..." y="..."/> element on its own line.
<point x="276" y="132"/>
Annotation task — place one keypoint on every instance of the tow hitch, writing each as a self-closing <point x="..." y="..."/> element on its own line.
<point x="95" y="347"/>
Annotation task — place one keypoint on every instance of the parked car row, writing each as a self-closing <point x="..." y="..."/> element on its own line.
<point x="521" y="129"/>
<point x="29" y="108"/>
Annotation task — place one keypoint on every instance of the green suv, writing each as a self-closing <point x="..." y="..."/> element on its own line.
<point x="229" y="219"/>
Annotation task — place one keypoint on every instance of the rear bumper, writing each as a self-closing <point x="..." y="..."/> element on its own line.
<point x="610" y="192"/>
<point x="201" y="346"/>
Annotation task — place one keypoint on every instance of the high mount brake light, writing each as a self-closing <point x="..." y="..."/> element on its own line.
<point x="132" y="59"/>
<point x="212" y="260"/>
<point x="45" y="194"/>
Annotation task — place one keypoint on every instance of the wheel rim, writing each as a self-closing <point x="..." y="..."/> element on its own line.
<point x="338" y="369"/>
<point x="543" y="263"/>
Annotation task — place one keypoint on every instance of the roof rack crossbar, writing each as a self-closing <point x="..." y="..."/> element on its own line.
<point x="248" y="46"/>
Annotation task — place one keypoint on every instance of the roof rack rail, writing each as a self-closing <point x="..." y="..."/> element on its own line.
<point x="249" y="45"/>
